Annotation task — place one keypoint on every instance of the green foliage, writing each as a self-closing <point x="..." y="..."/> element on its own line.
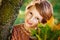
<point x="26" y="2"/>
<point x="56" y="9"/>
<point x="44" y="32"/>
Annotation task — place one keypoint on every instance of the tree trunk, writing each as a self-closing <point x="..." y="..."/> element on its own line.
<point x="9" y="10"/>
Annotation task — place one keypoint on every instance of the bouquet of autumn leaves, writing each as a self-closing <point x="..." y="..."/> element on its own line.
<point x="45" y="33"/>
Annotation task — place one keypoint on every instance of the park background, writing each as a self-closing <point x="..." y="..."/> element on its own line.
<point x="56" y="10"/>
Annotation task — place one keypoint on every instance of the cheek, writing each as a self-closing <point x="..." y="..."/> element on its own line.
<point x="35" y="21"/>
<point x="27" y="16"/>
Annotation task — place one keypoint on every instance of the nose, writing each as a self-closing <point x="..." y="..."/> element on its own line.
<point x="33" y="20"/>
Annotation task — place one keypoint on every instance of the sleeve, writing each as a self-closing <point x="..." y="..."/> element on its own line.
<point x="16" y="35"/>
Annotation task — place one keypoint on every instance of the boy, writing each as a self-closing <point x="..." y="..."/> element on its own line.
<point x="36" y="12"/>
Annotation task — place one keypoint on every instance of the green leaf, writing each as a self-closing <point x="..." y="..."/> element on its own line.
<point x="33" y="32"/>
<point x="45" y="33"/>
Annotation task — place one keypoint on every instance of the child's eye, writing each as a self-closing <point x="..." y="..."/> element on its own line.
<point x="37" y="18"/>
<point x="31" y="13"/>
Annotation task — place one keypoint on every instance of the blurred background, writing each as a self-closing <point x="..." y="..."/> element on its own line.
<point x="56" y="9"/>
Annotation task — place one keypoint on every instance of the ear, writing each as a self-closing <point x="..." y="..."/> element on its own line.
<point x="44" y="21"/>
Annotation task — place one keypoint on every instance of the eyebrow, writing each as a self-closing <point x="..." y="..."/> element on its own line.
<point x="29" y="7"/>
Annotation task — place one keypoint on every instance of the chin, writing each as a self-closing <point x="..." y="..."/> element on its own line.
<point x="28" y="25"/>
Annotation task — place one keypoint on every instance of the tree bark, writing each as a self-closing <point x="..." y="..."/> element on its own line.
<point x="9" y="10"/>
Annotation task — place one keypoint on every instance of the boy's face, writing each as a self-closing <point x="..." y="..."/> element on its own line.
<point x="32" y="17"/>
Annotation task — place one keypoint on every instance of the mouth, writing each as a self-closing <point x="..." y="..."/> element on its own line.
<point x="30" y="23"/>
